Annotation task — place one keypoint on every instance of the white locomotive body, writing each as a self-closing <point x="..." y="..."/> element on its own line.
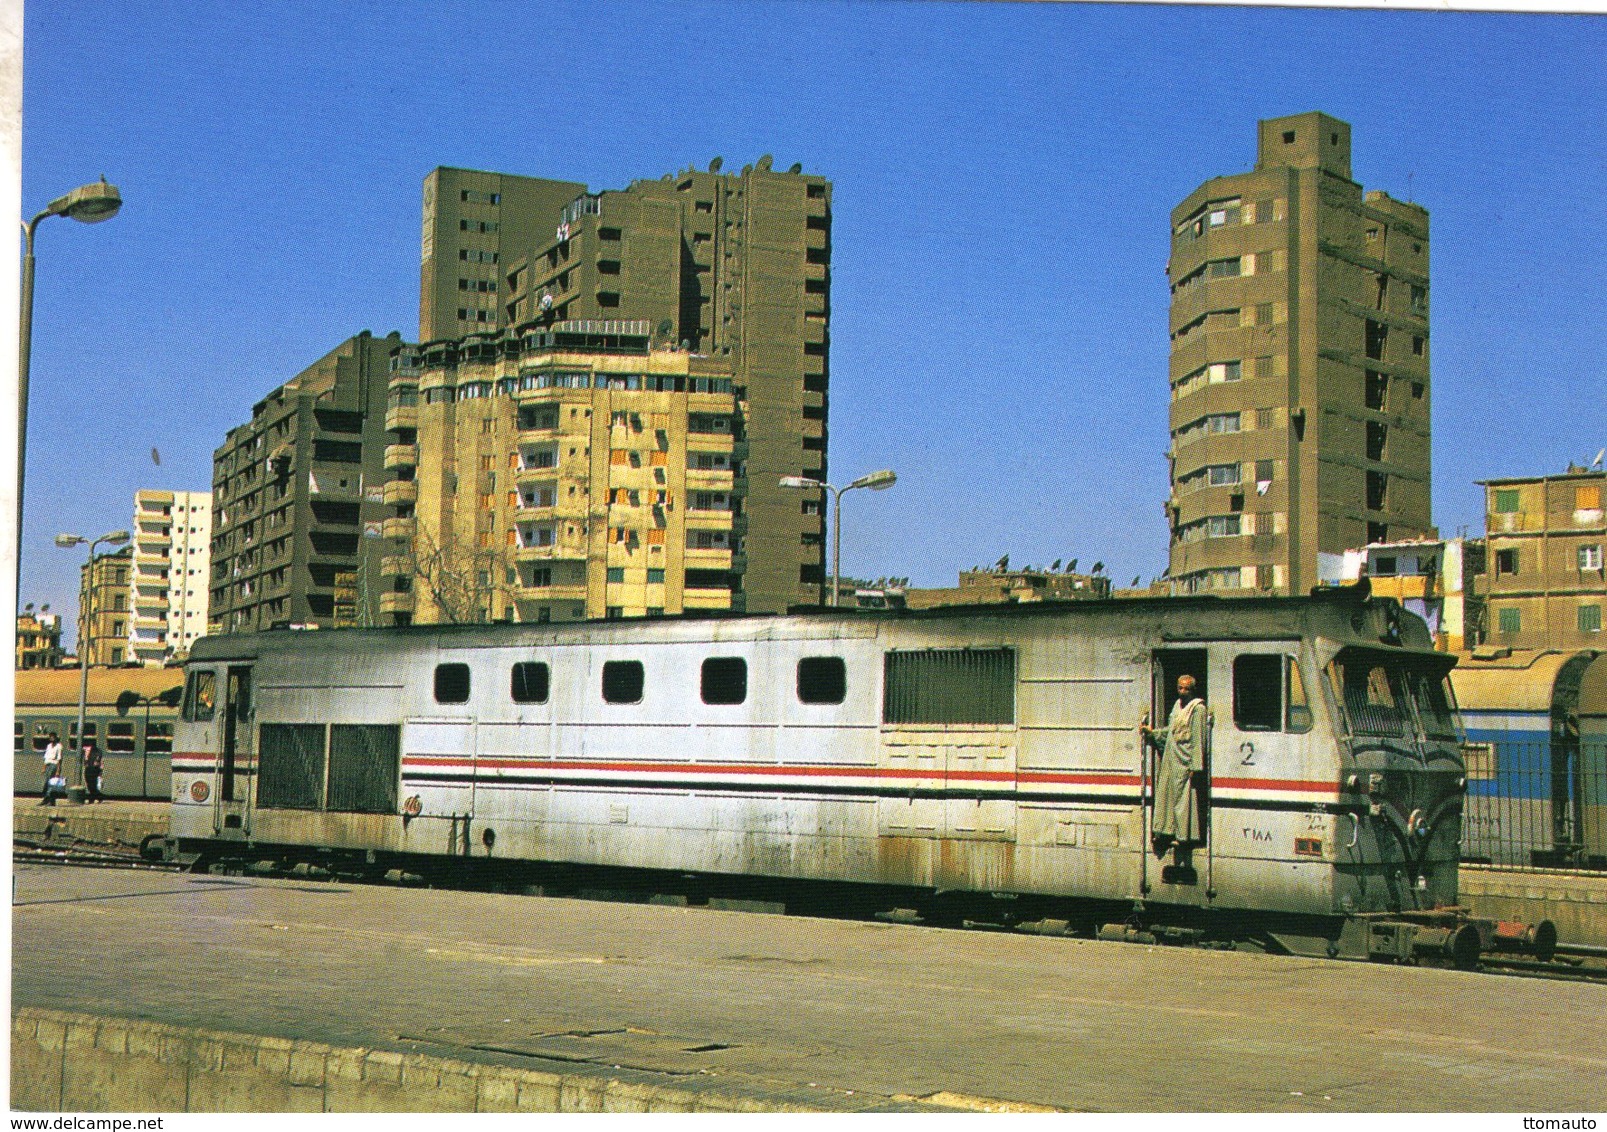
<point x="989" y="750"/>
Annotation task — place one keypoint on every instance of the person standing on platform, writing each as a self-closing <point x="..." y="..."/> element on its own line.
<point x="92" y="773"/>
<point x="52" y="769"/>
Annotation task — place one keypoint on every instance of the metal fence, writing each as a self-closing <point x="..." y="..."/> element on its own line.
<point x="1536" y="804"/>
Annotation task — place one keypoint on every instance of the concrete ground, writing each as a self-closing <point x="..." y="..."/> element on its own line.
<point x="790" y="1005"/>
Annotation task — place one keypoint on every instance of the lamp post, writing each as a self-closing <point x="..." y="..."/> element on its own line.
<point x="89" y="204"/>
<point x="876" y="481"/>
<point x="112" y="538"/>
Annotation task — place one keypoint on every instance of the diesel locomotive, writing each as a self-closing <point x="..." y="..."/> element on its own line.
<point x="963" y="760"/>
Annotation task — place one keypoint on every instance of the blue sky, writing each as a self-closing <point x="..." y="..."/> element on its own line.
<point x="1003" y="175"/>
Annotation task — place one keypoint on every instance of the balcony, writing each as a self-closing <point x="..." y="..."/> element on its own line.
<point x="397" y="528"/>
<point x="401" y="416"/>
<point x="706" y="599"/>
<point x="400" y="491"/>
<point x="708" y="479"/>
<point x="401" y="456"/>
<point x="396" y="603"/>
<point x="710" y="558"/>
<point x="575" y="591"/>
<point x="396" y="565"/>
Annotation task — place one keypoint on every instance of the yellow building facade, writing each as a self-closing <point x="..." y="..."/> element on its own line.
<point x="538" y="478"/>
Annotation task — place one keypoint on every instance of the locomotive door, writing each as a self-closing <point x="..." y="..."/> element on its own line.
<point x="1177" y="809"/>
<point x="231" y="814"/>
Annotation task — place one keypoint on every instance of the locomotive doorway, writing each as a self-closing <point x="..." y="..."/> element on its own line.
<point x="232" y="816"/>
<point x="1167" y="666"/>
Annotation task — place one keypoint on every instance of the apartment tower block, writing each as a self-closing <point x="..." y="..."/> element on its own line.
<point x="733" y="269"/>
<point x="1299" y="368"/>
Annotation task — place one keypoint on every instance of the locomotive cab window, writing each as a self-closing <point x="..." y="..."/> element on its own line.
<point x="200" y="695"/>
<point x="1269" y="694"/>
<point x="451" y="683"/>
<point x="531" y="682"/>
<point x="724" y="680"/>
<point x="622" y="681"/>
<point x="822" y="680"/>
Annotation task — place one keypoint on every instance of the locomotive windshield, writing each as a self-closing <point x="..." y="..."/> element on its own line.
<point x="1386" y="695"/>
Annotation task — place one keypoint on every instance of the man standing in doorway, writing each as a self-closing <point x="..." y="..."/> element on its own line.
<point x="1182" y="752"/>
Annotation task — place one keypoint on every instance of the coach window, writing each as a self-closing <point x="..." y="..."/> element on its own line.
<point x="531" y="682"/>
<point x="120" y="737"/>
<point x="622" y="682"/>
<point x="822" y="680"/>
<point x="724" y="680"/>
<point x="200" y="694"/>
<point x="451" y="683"/>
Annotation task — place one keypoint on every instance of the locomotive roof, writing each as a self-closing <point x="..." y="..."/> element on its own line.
<point x="1251" y="616"/>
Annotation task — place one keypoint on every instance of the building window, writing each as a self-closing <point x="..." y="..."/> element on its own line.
<point x="616" y="574"/>
<point x="1590" y="557"/>
<point x="655" y="576"/>
<point x="1587" y="497"/>
<point x="1510" y="620"/>
<point x="1222" y="268"/>
<point x="1506" y="562"/>
<point x="1506" y="501"/>
<point x="1590" y="618"/>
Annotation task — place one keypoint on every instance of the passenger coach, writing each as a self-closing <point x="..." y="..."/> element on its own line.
<point x="989" y="752"/>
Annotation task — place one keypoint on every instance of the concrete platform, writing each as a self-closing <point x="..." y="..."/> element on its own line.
<point x="435" y="997"/>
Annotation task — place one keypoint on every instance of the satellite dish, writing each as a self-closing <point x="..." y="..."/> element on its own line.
<point x="764" y="163"/>
<point x="665" y="326"/>
<point x="1596" y="463"/>
<point x="714" y="166"/>
<point x="797" y="167"/>
<point x="156" y="457"/>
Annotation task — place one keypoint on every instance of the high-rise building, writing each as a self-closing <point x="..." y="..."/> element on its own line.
<point x="1299" y="368"/>
<point x="171" y="576"/>
<point x="554" y="476"/>
<point x="1545" y="584"/>
<point x="732" y="267"/>
<point x="103" y="608"/>
<point x="294" y="491"/>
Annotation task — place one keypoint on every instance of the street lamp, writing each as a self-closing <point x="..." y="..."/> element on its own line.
<point x="876" y="481"/>
<point x="89" y="204"/>
<point x="113" y="538"/>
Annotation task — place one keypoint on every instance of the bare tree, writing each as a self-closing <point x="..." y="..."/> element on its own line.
<point x="462" y="581"/>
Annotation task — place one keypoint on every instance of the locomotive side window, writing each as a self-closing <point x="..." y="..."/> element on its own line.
<point x="1269" y="694"/>
<point x="622" y="681"/>
<point x="724" y="680"/>
<point x="290" y="770"/>
<point x="1297" y="716"/>
<point x="822" y="680"/>
<point x="949" y="686"/>
<point x="451" y="683"/>
<point x="200" y="694"/>
<point x="1258" y="692"/>
<point x="363" y="767"/>
<point x="531" y="682"/>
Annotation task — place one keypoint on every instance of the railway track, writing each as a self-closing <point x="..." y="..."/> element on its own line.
<point x="1572" y="964"/>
